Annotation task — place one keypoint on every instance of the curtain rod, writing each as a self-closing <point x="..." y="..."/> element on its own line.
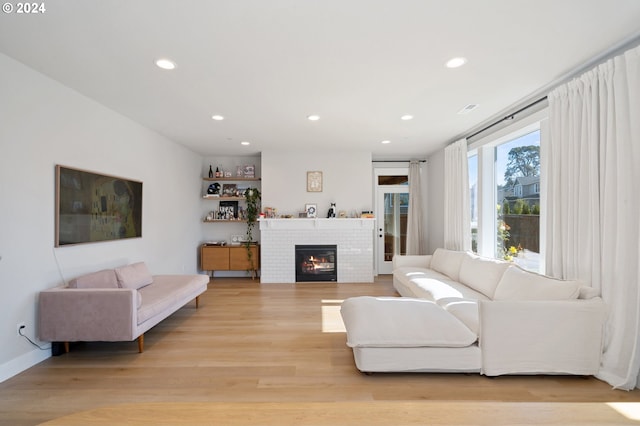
<point x="397" y="161"/>
<point x="509" y="117"/>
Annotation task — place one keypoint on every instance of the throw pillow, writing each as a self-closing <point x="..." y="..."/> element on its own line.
<point x="134" y="276"/>
<point x="518" y="284"/>
<point x="100" y="279"/>
<point x="447" y="262"/>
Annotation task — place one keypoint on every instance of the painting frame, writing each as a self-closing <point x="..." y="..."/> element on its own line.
<point x="314" y="181"/>
<point x="92" y="207"/>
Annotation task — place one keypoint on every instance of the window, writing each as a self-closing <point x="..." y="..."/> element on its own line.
<point x="518" y="226"/>
<point x="473" y="202"/>
<point x="504" y="182"/>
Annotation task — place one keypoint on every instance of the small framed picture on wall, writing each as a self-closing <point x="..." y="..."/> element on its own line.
<point x="314" y="181"/>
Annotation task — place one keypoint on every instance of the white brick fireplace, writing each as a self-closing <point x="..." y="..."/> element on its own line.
<point x="353" y="238"/>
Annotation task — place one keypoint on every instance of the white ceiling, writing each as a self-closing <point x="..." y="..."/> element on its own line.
<point x="360" y="64"/>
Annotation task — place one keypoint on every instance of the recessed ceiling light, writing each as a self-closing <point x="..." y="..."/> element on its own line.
<point x="406" y="117"/>
<point x="386" y="142"/>
<point x="166" y="64"/>
<point x="245" y="143"/>
<point x="314" y="117"/>
<point x="456" y="62"/>
<point x="217" y="117"/>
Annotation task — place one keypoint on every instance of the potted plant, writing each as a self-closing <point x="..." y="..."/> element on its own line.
<point x="252" y="197"/>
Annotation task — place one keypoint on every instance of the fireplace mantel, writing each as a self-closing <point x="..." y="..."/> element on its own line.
<point x="353" y="238"/>
<point x="317" y="223"/>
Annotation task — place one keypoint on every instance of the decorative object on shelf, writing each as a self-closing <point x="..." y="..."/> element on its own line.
<point x="214" y="189"/>
<point x="210" y="171"/>
<point x="311" y="210"/>
<point x="314" y="181"/>
<point x="249" y="171"/>
<point x="342" y="214"/>
<point x="239" y="171"/>
<point x="230" y="190"/>
<point x="228" y="174"/>
<point x="228" y="210"/>
<point x="252" y="197"/>
<point x="332" y="210"/>
<point x="218" y="172"/>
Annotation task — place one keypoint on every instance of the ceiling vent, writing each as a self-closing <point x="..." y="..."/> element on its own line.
<point x="468" y="108"/>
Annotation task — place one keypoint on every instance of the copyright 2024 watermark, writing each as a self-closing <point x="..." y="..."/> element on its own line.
<point x="24" y="8"/>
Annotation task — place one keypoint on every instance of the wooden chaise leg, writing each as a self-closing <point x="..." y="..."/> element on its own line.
<point x="197" y="301"/>
<point x="66" y="347"/>
<point x="141" y="343"/>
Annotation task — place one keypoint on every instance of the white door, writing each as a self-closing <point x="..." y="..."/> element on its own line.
<point x="391" y="224"/>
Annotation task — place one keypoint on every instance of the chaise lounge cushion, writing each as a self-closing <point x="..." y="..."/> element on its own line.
<point x="518" y="284"/>
<point x="166" y="289"/>
<point x="134" y="276"/>
<point x="402" y="322"/>
<point x="466" y="310"/>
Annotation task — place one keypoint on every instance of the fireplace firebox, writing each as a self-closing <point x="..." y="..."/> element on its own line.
<point x="316" y="263"/>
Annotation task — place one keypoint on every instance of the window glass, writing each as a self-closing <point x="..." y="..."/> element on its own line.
<point x="393" y="180"/>
<point x="517" y="177"/>
<point x="473" y="201"/>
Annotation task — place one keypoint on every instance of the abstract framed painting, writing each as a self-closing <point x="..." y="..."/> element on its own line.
<point x="92" y="207"/>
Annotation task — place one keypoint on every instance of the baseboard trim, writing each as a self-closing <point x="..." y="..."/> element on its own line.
<point x="23" y="362"/>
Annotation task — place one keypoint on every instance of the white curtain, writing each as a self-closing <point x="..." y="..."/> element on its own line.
<point x="415" y="234"/>
<point x="593" y="229"/>
<point x="457" y="214"/>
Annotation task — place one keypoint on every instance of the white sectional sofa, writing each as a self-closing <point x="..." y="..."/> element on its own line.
<point x="462" y="313"/>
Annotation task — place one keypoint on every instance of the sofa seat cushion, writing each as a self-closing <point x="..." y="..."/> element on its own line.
<point x="431" y="285"/>
<point x="165" y="291"/>
<point x="100" y="279"/>
<point x="482" y="274"/>
<point x="518" y="284"/>
<point x="466" y="310"/>
<point x="402" y="322"/>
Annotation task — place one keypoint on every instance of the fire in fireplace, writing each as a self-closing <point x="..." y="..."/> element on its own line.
<point x="316" y="263"/>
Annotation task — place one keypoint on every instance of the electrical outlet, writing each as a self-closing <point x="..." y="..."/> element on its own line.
<point x="20" y="326"/>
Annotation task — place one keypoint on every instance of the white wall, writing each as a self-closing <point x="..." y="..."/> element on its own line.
<point x="435" y="201"/>
<point x="44" y="124"/>
<point x="347" y="181"/>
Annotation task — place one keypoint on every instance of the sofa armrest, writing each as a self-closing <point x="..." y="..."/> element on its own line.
<point x="418" y="261"/>
<point x="520" y="337"/>
<point x="104" y="314"/>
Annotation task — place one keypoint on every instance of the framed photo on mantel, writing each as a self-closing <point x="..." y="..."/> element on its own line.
<point x="314" y="181"/>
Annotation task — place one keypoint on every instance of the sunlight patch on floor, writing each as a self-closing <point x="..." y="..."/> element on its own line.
<point x="331" y="319"/>
<point x="630" y="410"/>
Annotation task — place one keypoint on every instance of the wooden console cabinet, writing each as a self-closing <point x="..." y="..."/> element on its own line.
<point x="229" y="258"/>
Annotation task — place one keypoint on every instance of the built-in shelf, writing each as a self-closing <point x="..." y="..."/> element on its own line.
<point x="232" y="179"/>
<point x="224" y="198"/>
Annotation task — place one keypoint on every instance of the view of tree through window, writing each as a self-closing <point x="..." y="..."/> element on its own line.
<point x="517" y="176"/>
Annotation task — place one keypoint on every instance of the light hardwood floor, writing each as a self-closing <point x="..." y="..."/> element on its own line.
<point x="283" y="346"/>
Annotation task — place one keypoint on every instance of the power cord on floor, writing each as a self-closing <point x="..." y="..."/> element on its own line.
<point x="20" y="332"/>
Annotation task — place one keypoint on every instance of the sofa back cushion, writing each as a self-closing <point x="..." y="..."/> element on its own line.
<point x="134" y="276"/>
<point x="482" y="274"/>
<point x="518" y="284"/>
<point x="101" y="279"/>
<point x="447" y="262"/>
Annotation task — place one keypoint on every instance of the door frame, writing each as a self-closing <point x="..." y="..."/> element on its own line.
<point x="382" y="267"/>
